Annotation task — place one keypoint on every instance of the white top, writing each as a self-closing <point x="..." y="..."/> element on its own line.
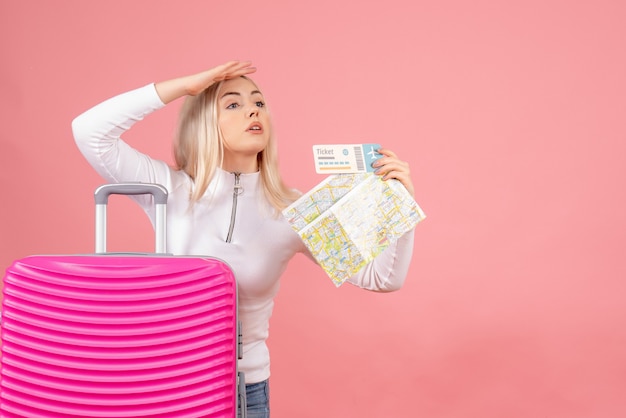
<point x="261" y="243"/>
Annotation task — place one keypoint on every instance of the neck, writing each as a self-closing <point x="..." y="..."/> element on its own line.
<point x="241" y="165"/>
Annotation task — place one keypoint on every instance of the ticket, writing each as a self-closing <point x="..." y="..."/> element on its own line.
<point x="345" y="158"/>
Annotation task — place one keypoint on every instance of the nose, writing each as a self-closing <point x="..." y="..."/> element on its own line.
<point x="254" y="111"/>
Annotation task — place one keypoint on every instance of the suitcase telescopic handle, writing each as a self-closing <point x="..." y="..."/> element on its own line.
<point x="159" y="194"/>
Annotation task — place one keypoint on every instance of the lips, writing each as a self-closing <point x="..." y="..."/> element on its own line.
<point x="255" y="128"/>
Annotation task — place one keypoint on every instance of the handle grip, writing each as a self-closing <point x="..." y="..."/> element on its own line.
<point x="101" y="197"/>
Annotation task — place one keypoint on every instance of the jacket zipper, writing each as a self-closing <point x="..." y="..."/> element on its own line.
<point x="237" y="190"/>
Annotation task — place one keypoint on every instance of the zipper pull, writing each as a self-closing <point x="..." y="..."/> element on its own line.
<point x="238" y="187"/>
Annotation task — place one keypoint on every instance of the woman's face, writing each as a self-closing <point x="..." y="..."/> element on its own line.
<point x="243" y="119"/>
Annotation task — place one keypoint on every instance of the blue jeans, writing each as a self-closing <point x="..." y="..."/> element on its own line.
<point x="258" y="400"/>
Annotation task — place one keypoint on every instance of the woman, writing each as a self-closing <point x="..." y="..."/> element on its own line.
<point x="225" y="195"/>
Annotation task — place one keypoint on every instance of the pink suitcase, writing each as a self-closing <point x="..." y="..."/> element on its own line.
<point x="120" y="335"/>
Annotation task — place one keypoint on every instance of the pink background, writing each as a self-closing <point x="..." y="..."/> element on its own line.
<point x="511" y="115"/>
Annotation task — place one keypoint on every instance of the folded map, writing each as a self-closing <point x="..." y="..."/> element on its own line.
<point x="349" y="219"/>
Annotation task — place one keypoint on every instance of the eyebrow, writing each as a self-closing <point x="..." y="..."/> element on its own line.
<point x="234" y="93"/>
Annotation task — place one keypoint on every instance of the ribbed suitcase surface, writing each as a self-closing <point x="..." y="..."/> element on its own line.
<point x="119" y="336"/>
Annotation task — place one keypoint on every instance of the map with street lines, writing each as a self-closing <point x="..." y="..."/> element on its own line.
<point x="349" y="219"/>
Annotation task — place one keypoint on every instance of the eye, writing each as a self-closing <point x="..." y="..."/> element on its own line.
<point x="260" y="104"/>
<point x="232" y="106"/>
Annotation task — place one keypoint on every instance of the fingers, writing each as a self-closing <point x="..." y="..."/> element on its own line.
<point x="387" y="152"/>
<point x="391" y="167"/>
<point x="233" y="69"/>
<point x="197" y="83"/>
<point x="389" y="162"/>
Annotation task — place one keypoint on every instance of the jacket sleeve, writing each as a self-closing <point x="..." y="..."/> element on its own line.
<point x="98" y="131"/>
<point x="388" y="271"/>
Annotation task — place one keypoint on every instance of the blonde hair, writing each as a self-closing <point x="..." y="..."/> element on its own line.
<point x="199" y="149"/>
